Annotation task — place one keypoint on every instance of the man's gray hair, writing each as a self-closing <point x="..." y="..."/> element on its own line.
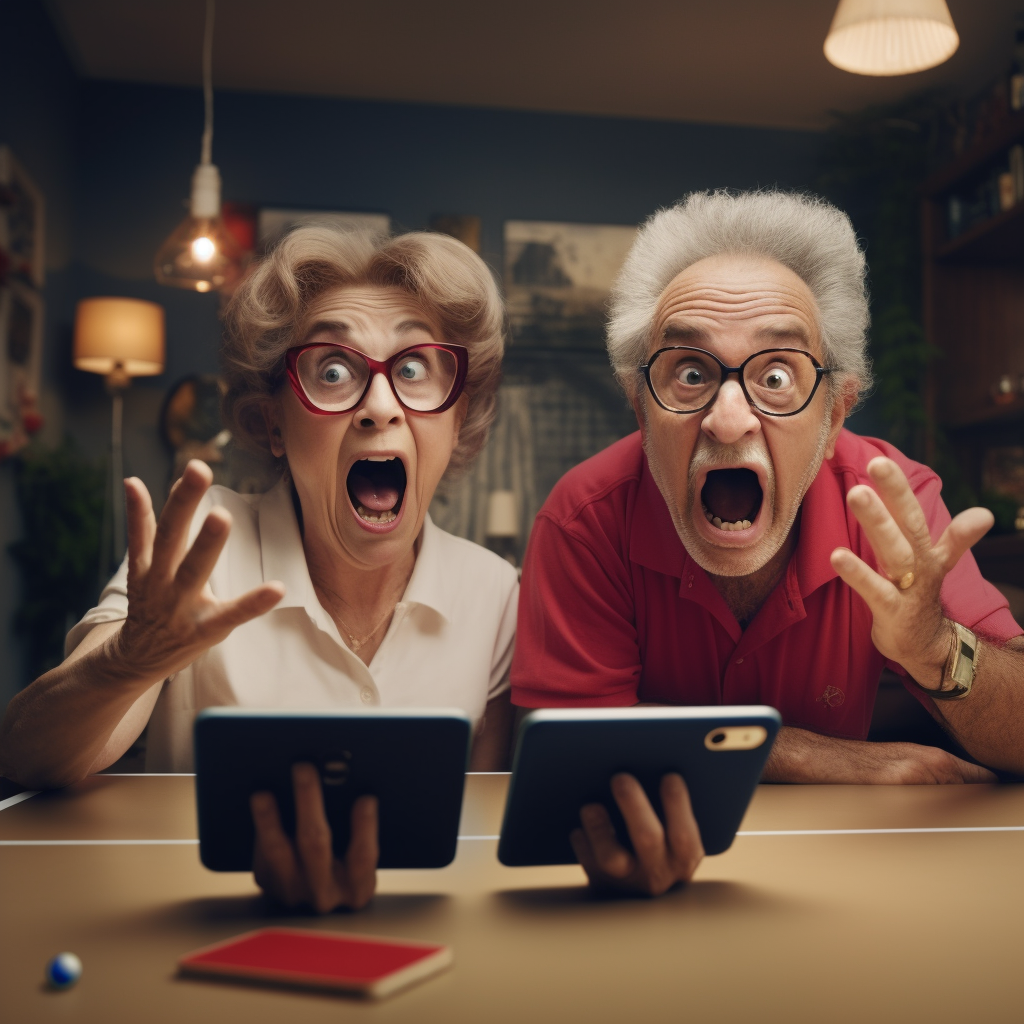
<point x="810" y="236"/>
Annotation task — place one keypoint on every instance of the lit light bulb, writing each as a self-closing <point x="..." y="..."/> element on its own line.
<point x="201" y="254"/>
<point x="203" y="249"/>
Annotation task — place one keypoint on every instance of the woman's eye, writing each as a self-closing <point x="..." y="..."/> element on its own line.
<point x="336" y="373"/>
<point x="691" y="376"/>
<point x="412" y="369"/>
<point x="777" y="379"/>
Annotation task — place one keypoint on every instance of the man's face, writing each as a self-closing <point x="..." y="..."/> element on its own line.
<point x="732" y="477"/>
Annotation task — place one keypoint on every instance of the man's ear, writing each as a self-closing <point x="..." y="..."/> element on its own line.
<point x="842" y="403"/>
<point x="272" y="418"/>
<point x="637" y="401"/>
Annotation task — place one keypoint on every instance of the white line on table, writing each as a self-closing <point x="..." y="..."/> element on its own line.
<point x="780" y="832"/>
<point x="17" y="799"/>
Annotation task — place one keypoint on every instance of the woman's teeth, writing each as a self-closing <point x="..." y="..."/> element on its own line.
<point x="376" y="517"/>
<point x="742" y="524"/>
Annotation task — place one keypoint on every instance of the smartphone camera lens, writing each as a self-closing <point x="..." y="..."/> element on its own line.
<point x="719" y="737"/>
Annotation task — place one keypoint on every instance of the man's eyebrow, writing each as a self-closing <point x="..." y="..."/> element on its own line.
<point x="683" y="332"/>
<point x="784" y="332"/>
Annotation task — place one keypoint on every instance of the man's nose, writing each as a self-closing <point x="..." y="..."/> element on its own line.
<point x="380" y="406"/>
<point x="730" y="418"/>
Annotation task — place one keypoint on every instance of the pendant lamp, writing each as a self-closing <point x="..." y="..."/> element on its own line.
<point x="890" y="37"/>
<point x="201" y="254"/>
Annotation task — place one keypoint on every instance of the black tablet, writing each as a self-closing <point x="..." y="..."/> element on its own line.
<point x="565" y="759"/>
<point x="413" y="761"/>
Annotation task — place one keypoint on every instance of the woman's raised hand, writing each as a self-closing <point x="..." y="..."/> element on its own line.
<point x="172" y="614"/>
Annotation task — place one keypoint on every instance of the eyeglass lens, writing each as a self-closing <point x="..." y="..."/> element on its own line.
<point x="777" y="381"/>
<point x="334" y="378"/>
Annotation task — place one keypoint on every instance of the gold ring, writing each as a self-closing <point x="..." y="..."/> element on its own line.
<point x="905" y="581"/>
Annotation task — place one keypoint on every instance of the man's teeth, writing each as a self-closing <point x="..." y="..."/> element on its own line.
<point x="378" y="458"/>
<point x="741" y="524"/>
<point x="376" y="517"/>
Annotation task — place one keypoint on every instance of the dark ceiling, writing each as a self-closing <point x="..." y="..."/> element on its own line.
<point x="753" y="62"/>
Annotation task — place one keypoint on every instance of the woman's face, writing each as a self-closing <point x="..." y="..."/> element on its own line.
<point x="365" y="478"/>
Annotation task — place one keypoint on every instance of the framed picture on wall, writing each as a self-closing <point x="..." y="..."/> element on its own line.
<point x="22" y="224"/>
<point x="274" y="222"/>
<point x="21" y="345"/>
<point x="558" y="278"/>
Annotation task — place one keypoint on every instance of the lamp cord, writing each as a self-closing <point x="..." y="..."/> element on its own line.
<point x="207" y="151"/>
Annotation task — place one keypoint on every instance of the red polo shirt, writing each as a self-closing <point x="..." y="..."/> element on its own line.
<point x="614" y="611"/>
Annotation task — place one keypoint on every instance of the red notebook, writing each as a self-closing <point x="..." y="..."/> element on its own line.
<point x="325" y="960"/>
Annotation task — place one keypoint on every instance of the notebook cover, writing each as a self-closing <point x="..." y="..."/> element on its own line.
<point x="313" y="959"/>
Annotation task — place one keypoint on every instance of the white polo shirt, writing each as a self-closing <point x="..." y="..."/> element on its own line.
<point x="449" y="643"/>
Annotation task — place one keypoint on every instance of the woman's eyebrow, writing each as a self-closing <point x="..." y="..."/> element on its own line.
<point x="407" y="326"/>
<point x="784" y="332"/>
<point x="683" y="332"/>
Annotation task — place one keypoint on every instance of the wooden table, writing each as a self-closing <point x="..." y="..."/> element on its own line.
<point x="835" y="904"/>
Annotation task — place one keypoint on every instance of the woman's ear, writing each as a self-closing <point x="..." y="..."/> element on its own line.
<point x="272" y="418"/>
<point x="460" y="410"/>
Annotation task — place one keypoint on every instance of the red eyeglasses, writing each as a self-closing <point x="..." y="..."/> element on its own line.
<point x="332" y="379"/>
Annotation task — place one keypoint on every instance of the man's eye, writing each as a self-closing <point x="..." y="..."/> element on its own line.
<point x="336" y="373"/>
<point x="777" y="380"/>
<point x="691" y="376"/>
<point x="413" y="369"/>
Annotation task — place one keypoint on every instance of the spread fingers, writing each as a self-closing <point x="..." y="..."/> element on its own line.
<point x="196" y="566"/>
<point x="141" y="526"/>
<point x="898" y="497"/>
<point x="172" y="527"/>
<point x="894" y="552"/>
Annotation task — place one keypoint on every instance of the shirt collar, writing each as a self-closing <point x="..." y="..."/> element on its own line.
<point x="654" y="543"/>
<point x="284" y="559"/>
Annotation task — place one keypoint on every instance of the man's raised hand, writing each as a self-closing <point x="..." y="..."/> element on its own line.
<point x="904" y="595"/>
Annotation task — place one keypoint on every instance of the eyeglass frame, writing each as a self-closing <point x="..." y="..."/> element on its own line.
<point x="727" y="371"/>
<point x="460" y="352"/>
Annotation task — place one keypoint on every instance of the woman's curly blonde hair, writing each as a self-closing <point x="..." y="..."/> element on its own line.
<point x="270" y="313"/>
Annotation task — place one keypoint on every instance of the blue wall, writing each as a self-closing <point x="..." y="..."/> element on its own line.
<point x="115" y="161"/>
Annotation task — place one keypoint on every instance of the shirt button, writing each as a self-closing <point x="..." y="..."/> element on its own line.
<point x="366" y="695"/>
<point x="739" y="661"/>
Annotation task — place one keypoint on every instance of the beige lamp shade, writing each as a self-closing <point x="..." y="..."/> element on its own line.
<point x="890" y="37"/>
<point x="502" y="514"/>
<point x="119" y="335"/>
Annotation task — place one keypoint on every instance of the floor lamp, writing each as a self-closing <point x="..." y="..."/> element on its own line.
<point x="121" y="339"/>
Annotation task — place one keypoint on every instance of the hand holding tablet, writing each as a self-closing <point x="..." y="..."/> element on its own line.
<point x="664" y="853"/>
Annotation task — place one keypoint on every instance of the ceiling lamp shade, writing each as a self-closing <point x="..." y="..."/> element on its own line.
<point x="890" y="37"/>
<point x="200" y="254"/>
<point x="120" y="338"/>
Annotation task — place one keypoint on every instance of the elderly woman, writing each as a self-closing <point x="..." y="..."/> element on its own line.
<point x="366" y="369"/>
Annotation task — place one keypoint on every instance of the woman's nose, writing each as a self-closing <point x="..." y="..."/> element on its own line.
<point x="379" y="407"/>
<point x="730" y="417"/>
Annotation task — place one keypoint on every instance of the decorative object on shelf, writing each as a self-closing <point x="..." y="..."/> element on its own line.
<point x="1006" y="390"/>
<point x="464" y="227"/>
<point x="121" y="339"/>
<point x="558" y="278"/>
<point x="503" y="524"/>
<point x="22" y="224"/>
<point x="1002" y="483"/>
<point x="21" y="346"/>
<point x="1017" y="68"/>
<point x="22" y="272"/>
<point x="274" y="223"/>
<point x="201" y="254"/>
<point x="890" y="37"/>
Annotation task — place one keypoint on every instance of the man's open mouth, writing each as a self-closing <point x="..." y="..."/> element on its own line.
<point x="376" y="487"/>
<point x="731" y="498"/>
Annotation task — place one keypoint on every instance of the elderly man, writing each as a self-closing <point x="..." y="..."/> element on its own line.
<point x="743" y="547"/>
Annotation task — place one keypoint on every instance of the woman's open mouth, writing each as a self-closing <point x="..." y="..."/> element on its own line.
<point x="376" y="487"/>
<point x="731" y="499"/>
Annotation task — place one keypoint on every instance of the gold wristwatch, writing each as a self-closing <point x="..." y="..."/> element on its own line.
<point x="961" y="666"/>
